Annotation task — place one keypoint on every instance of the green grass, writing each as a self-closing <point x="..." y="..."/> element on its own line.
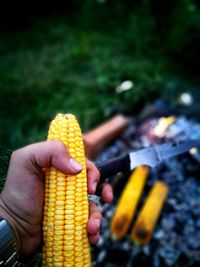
<point x="54" y="66"/>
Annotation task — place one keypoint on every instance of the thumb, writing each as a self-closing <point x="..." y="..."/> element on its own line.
<point x="51" y="153"/>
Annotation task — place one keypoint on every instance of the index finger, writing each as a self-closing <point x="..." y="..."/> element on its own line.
<point x="93" y="176"/>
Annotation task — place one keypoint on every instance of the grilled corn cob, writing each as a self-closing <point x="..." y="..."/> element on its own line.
<point x="128" y="202"/>
<point x="144" y="226"/>
<point x="66" y="203"/>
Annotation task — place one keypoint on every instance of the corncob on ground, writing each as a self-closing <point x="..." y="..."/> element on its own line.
<point x="162" y="126"/>
<point x="146" y="221"/>
<point x="66" y="203"/>
<point x="128" y="201"/>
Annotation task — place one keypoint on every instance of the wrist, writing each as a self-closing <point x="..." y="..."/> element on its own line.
<point x="4" y="215"/>
<point x="8" y="245"/>
<point x="28" y="236"/>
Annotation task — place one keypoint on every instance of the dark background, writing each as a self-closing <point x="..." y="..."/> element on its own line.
<point x="69" y="56"/>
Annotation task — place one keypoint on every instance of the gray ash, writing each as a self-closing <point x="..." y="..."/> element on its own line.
<point x="176" y="239"/>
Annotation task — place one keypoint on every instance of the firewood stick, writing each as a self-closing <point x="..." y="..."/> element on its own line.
<point x="97" y="139"/>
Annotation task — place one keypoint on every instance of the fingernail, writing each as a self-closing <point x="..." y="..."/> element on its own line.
<point x="110" y="195"/>
<point x="94" y="186"/>
<point x="97" y="222"/>
<point x="75" y="165"/>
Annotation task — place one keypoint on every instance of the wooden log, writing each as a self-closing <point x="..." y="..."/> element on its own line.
<point x="99" y="137"/>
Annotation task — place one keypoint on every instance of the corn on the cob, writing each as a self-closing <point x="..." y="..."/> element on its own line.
<point x="144" y="226"/>
<point x="128" y="202"/>
<point x="66" y="203"/>
<point x="162" y="126"/>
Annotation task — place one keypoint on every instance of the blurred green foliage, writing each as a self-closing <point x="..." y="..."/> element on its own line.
<point x="73" y="62"/>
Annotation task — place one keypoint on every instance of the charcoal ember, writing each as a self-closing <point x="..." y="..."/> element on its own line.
<point x="193" y="255"/>
<point x="169" y="254"/>
<point x="106" y="210"/>
<point x="181" y="218"/>
<point x="160" y="234"/>
<point x="159" y="108"/>
<point x="183" y="244"/>
<point x="145" y="129"/>
<point x="147" y="250"/>
<point x="134" y="253"/>
<point x="145" y="141"/>
<point x="189" y="229"/>
<point x="100" y="244"/>
<point x="171" y="201"/>
<point x="168" y="223"/>
<point x="101" y="257"/>
<point x="126" y="246"/>
<point x="129" y="135"/>
<point x="156" y="260"/>
<point x="109" y="214"/>
<point x="184" y="128"/>
<point x="198" y="223"/>
<point x="194" y="240"/>
<point x="117" y="148"/>
<point x="191" y="165"/>
<point x="176" y="239"/>
<point x="196" y="213"/>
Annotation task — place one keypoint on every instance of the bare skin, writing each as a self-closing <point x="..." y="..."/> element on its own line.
<point x="22" y="199"/>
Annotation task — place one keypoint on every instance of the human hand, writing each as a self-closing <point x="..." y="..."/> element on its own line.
<point x="22" y="199"/>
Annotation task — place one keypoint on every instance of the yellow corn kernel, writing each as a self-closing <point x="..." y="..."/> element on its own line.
<point x="65" y="241"/>
<point x="146" y="221"/>
<point x="128" y="202"/>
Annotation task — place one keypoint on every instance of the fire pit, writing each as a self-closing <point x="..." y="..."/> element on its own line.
<point x="176" y="237"/>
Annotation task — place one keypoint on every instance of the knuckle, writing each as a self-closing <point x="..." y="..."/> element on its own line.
<point x="13" y="155"/>
<point x="97" y="215"/>
<point x="107" y="187"/>
<point x="16" y="154"/>
<point x="59" y="146"/>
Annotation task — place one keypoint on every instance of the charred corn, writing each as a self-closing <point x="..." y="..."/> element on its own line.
<point x="128" y="201"/>
<point x="145" y="224"/>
